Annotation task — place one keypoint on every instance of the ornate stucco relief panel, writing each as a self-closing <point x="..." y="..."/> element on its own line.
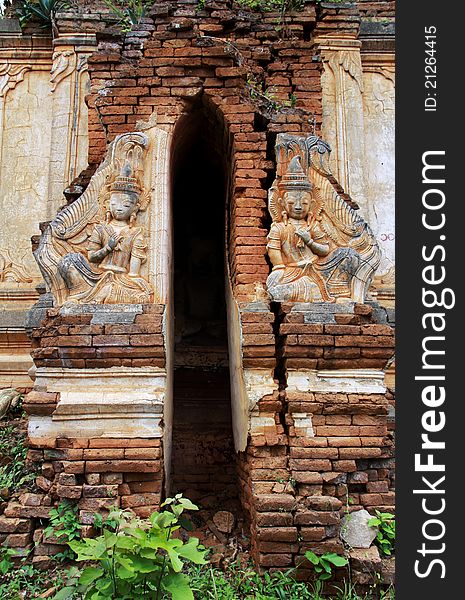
<point x="113" y="244"/>
<point x="358" y="123"/>
<point x="379" y="127"/>
<point x="24" y="160"/>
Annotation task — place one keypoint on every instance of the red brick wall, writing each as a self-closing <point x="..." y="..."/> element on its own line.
<point x="383" y="8"/>
<point x="174" y="67"/>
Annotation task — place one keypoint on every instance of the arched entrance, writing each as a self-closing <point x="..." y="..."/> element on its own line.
<point x="203" y="460"/>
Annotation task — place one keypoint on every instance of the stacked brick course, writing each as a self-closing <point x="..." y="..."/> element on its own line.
<point x="80" y="341"/>
<point x="328" y="453"/>
<point x="96" y="474"/>
<point x="347" y="341"/>
<point x="258" y="339"/>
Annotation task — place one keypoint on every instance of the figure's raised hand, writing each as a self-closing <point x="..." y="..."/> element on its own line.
<point x="304" y="235"/>
<point x="113" y="241"/>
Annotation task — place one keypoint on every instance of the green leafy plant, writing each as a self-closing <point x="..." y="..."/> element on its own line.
<point x="43" y="10"/>
<point x="138" y="559"/>
<point x="6" y="554"/>
<point x="348" y="592"/>
<point x="109" y="523"/>
<point x="129" y="12"/>
<point x="64" y="526"/>
<point x="323" y="565"/>
<point x="23" y="581"/>
<point x="386" y="536"/>
<point x="14" y="470"/>
<point x="239" y="581"/>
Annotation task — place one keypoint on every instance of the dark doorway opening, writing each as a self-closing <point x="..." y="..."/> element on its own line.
<point x="203" y="459"/>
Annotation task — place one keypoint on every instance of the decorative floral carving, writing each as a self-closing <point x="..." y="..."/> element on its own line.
<point x="11" y="271"/>
<point x="93" y="250"/>
<point x="64" y="63"/>
<point x="350" y="63"/>
<point x="320" y="248"/>
<point x="10" y="76"/>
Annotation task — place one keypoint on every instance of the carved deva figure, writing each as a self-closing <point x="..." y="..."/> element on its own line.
<point x="320" y="249"/>
<point x="111" y="248"/>
<point x="115" y="251"/>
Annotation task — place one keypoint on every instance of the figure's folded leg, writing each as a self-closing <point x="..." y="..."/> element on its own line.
<point x="77" y="275"/>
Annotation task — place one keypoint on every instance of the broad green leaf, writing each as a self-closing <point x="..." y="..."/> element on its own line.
<point x="385" y="516"/>
<point x="177" y="510"/>
<point x="325" y="564"/>
<point x="124" y="573"/>
<point x="110" y="538"/>
<point x="125" y="542"/>
<point x="105" y="584"/>
<point x="178" y="586"/>
<point x="192" y="552"/>
<point x="312" y="557"/>
<point x="162" y="520"/>
<point x="89" y="575"/>
<point x="144" y="565"/>
<point x="374" y="522"/>
<point x="325" y="576"/>
<point x="187" y="504"/>
<point x="173" y="543"/>
<point x="335" y="559"/>
<point x="139" y="534"/>
<point x="64" y="593"/>
<point x="124" y="561"/>
<point x="149" y="553"/>
<point x="176" y="563"/>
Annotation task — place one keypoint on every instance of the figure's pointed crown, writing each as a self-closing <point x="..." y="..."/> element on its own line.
<point x="295" y="177"/>
<point x="125" y="180"/>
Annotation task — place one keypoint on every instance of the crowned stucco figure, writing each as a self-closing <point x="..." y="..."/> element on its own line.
<point x="320" y="249"/>
<point x="94" y="249"/>
<point x="116" y="249"/>
<point x="299" y="248"/>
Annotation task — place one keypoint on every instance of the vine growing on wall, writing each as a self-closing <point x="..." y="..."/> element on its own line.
<point x="264" y="97"/>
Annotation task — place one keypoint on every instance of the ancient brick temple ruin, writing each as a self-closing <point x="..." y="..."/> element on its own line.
<point x="209" y="307"/>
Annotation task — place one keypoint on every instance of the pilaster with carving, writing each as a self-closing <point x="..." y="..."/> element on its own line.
<point x="343" y="125"/>
<point x="69" y="81"/>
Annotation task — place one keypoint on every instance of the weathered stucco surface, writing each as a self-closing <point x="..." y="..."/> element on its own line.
<point x="358" y="122"/>
<point x="25" y="156"/>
